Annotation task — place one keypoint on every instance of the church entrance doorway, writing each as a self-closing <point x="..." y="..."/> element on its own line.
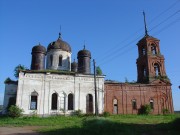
<point x="89" y="104"/>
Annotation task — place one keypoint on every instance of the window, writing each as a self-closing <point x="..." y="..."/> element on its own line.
<point x="153" y="49"/>
<point x="152" y="104"/>
<point x="70" y="102"/>
<point x="68" y="62"/>
<point x="51" y="60"/>
<point x="134" y="106"/>
<point x="143" y="51"/>
<point x="60" y="60"/>
<point x="144" y="71"/>
<point x="115" y="106"/>
<point x="54" y="101"/>
<point x="34" y="99"/>
<point x="156" y="69"/>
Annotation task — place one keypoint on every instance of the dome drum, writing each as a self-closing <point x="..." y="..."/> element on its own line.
<point x="38" y="57"/>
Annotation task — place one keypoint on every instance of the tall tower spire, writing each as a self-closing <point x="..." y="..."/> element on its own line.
<point x="146" y="32"/>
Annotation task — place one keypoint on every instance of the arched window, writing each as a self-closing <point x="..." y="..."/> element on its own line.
<point x="134" y="105"/>
<point x="34" y="99"/>
<point x="54" y="101"/>
<point x="60" y="60"/>
<point x="156" y="69"/>
<point x="115" y="106"/>
<point x="152" y="103"/>
<point x="153" y="49"/>
<point x="70" y="102"/>
<point x="51" y="60"/>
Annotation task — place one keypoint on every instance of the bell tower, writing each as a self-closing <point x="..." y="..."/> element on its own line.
<point x="150" y="62"/>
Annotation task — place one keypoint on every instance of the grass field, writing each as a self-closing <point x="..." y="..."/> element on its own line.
<point x="112" y="125"/>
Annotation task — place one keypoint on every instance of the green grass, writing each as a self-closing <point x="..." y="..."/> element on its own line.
<point x="115" y="124"/>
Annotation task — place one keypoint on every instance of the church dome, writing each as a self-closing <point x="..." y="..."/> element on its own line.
<point x="59" y="44"/>
<point x="39" y="49"/>
<point x="84" y="53"/>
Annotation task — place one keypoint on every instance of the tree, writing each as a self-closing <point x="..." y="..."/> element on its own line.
<point x="18" y="69"/>
<point x="98" y="71"/>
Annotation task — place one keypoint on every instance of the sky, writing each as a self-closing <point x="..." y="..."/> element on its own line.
<point x="110" y="29"/>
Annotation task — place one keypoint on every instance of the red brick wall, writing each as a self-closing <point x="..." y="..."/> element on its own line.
<point x="142" y="93"/>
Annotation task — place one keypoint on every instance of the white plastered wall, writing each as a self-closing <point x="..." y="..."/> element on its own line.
<point x="46" y="84"/>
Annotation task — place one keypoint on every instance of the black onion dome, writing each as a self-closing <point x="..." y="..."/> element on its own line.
<point x="39" y="49"/>
<point x="84" y="53"/>
<point x="59" y="44"/>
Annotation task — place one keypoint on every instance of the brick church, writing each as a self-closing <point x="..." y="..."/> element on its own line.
<point x="62" y="86"/>
<point x="152" y="87"/>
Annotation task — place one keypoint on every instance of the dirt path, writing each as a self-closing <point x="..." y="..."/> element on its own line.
<point x="27" y="130"/>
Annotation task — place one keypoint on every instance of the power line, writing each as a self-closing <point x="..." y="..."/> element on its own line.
<point x="114" y="51"/>
<point x="112" y="55"/>
<point x="165" y="20"/>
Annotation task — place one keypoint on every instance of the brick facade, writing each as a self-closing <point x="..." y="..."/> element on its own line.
<point x="158" y="92"/>
<point x="153" y="86"/>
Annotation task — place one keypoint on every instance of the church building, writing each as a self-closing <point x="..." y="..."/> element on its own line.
<point x="62" y="86"/>
<point x="152" y="88"/>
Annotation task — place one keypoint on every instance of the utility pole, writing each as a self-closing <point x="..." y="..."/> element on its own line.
<point x="96" y="104"/>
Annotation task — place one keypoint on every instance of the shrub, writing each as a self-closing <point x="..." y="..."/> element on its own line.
<point x="15" y="111"/>
<point x="165" y="111"/>
<point x="106" y="114"/>
<point x="145" y="109"/>
<point x="78" y="113"/>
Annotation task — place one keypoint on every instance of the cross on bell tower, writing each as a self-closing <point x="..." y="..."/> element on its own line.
<point x="150" y="62"/>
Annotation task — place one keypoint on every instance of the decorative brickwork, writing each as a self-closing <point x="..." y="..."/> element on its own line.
<point x="153" y="86"/>
<point x="157" y="94"/>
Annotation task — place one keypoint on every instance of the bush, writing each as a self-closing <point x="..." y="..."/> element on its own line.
<point x="165" y="111"/>
<point x="15" y="111"/>
<point x="145" y="109"/>
<point x="78" y="113"/>
<point x="106" y="114"/>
